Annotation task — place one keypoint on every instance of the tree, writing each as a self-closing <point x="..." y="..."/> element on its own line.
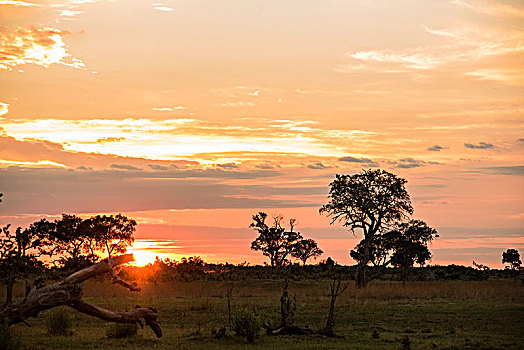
<point x="18" y="256"/>
<point x="73" y="241"/>
<point x="305" y="249"/>
<point x="512" y="257"/>
<point x="111" y="234"/>
<point x="274" y="242"/>
<point x="372" y="201"/>
<point x="402" y="247"/>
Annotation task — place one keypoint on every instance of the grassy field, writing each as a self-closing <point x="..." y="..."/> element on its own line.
<point x="385" y="315"/>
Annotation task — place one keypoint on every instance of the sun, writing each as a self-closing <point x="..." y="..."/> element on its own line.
<point x="145" y="252"/>
<point x="144" y="257"/>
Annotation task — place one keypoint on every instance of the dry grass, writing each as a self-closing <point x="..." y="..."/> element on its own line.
<point x="379" y="290"/>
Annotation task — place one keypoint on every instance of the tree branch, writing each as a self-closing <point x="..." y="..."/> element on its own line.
<point x="69" y="292"/>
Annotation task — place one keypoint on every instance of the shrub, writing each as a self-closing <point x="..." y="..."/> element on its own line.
<point x="122" y="330"/>
<point x="8" y="340"/>
<point x="246" y="324"/>
<point x="58" y="322"/>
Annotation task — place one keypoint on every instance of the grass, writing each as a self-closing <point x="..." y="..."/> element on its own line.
<point x="385" y="315"/>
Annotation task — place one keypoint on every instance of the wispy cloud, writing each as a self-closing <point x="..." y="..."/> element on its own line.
<point x="238" y="104"/>
<point x="154" y="138"/>
<point x="480" y="145"/>
<point x="462" y="43"/>
<point x="162" y="7"/>
<point x="490" y="8"/>
<point x="41" y="46"/>
<point x="168" y="109"/>
<point x="124" y="167"/>
<point x="436" y="148"/>
<point x="17" y="3"/>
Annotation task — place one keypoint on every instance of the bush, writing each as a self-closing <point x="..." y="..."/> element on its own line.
<point x="58" y="322"/>
<point x="246" y="324"/>
<point x="122" y="330"/>
<point x="8" y="340"/>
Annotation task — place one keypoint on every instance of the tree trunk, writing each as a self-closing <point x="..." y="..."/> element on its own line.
<point x="9" y="290"/>
<point x="69" y="292"/>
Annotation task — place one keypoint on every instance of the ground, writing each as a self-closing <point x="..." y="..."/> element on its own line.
<point x="384" y="315"/>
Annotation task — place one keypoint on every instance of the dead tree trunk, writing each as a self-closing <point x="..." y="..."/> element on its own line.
<point x="335" y="291"/>
<point x="69" y="292"/>
<point x="229" y="295"/>
<point x="288" y="308"/>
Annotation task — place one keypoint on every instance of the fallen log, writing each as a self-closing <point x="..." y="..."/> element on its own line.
<point x="69" y="292"/>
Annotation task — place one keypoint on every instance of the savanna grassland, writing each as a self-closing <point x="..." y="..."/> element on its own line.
<point x="384" y="315"/>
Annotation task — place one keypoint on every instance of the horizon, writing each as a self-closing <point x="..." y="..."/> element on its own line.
<point x="190" y="117"/>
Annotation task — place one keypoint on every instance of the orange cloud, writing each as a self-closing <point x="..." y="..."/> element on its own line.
<point x="41" y="46"/>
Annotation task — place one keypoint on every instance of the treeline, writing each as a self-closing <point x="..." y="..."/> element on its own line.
<point x="195" y="269"/>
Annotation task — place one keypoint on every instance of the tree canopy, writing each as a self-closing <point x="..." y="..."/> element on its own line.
<point x="512" y="257"/>
<point x="305" y="249"/>
<point x="274" y="241"/>
<point x="377" y="202"/>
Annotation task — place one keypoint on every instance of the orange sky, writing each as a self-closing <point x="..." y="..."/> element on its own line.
<point x="190" y="116"/>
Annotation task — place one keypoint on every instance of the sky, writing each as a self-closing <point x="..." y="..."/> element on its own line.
<point x="190" y="116"/>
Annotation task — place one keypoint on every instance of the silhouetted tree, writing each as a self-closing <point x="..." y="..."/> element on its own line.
<point x="274" y="241"/>
<point x="70" y="240"/>
<point x="305" y="249"/>
<point x="512" y="257"/>
<point x="111" y="234"/>
<point x="18" y="256"/>
<point x="372" y="201"/>
<point x="402" y="247"/>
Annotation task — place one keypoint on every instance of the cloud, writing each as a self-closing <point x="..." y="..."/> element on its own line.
<point x="17" y="3"/>
<point x="158" y="167"/>
<point x="41" y="46"/>
<point x="110" y="139"/>
<point x="238" y="104"/>
<point x="366" y="161"/>
<point x="4" y="108"/>
<point x="317" y="166"/>
<point x="153" y="138"/>
<point x="161" y="7"/>
<point x="481" y="145"/>
<point x="355" y="160"/>
<point x="55" y="191"/>
<point x="507" y="170"/>
<point x="167" y="109"/>
<point x="490" y="8"/>
<point x="408" y="163"/>
<point x="124" y="167"/>
<point x="69" y="14"/>
<point x="228" y="166"/>
<point x="436" y="148"/>
<point x="463" y="43"/>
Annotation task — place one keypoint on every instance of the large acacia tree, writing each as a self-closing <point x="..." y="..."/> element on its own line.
<point x="374" y="201"/>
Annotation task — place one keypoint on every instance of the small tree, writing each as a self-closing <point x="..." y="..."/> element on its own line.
<point x="372" y="201"/>
<point x="305" y="249"/>
<point x="512" y="257"/>
<point x="274" y="241"/>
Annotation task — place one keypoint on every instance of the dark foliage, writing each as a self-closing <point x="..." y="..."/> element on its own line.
<point x="512" y="257"/>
